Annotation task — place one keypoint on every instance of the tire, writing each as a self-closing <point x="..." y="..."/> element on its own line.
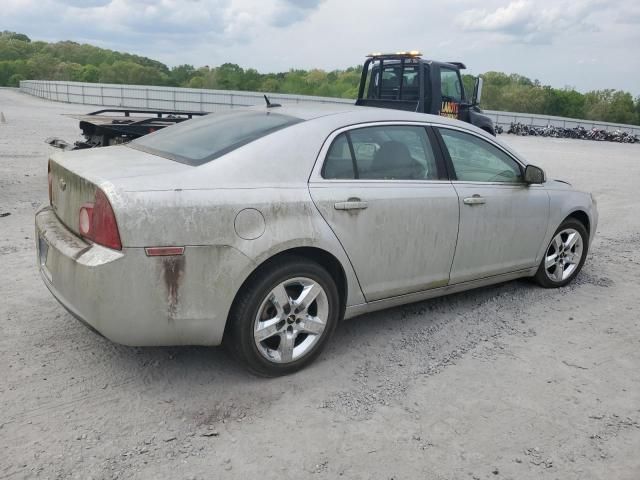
<point x="559" y="254"/>
<point x="272" y="330"/>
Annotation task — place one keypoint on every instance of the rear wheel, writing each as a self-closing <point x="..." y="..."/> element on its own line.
<point x="284" y="317"/>
<point x="564" y="256"/>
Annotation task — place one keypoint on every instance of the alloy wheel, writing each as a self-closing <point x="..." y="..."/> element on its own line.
<point x="563" y="255"/>
<point x="291" y="320"/>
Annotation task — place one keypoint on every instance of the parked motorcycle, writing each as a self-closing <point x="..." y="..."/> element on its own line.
<point x="579" y="132"/>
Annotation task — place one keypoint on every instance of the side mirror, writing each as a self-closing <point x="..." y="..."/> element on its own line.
<point x="477" y="91"/>
<point x="533" y="174"/>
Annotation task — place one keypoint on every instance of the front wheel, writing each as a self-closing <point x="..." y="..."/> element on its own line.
<point x="564" y="256"/>
<point x="284" y="317"/>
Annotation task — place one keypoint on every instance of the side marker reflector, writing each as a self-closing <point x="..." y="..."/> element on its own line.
<point x="163" y="251"/>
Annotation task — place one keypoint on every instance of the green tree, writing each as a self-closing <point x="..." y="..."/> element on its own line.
<point x="15" y="79"/>
<point x="269" y="84"/>
<point x="15" y="36"/>
<point x="228" y="76"/>
<point x="21" y="58"/>
<point x="41" y="66"/>
<point x="196" y="82"/>
<point x="181" y="75"/>
<point x="251" y="80"/>
<point x="622" y="109"/>
<point x="598" y="105"/>
<point x="90" y="73"/>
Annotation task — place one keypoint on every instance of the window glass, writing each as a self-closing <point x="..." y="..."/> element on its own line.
<point x="385" y="152"/>
<point x="450" y="85"/>
<point x="200" y="140"/>
<point x="390" y="88"/>
<point x="476" y="160"/>
<point x="339" y="163"/>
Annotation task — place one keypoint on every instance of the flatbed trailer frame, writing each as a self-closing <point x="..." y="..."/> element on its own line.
<point x="114" y="126"/>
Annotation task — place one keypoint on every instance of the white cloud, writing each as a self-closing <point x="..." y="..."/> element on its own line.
<point x="225" y="21"/>
<point x="514" y="16"/>
<point x="630" y="16"/>
<point x="552" y="40"/>
<point x="532" y="21"/>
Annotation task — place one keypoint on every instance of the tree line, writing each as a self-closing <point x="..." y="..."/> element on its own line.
<point x="21" y="59"/>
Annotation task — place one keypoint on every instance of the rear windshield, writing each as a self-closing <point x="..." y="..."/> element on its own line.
<point x="203" y="139"/>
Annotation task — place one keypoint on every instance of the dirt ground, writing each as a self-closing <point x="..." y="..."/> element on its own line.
<point x="507" y="382"/>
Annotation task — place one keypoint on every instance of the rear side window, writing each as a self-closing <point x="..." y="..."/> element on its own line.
<point x="394" y="77"/>
<point x="394" y="152"/>
<point x="203" y="139"/>
<point x="339" y="163"/>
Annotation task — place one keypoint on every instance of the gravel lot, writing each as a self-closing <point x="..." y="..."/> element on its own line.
<point x="511" y="381"/>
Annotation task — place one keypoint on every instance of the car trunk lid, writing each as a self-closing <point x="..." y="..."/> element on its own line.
<point x="75" y="176"/>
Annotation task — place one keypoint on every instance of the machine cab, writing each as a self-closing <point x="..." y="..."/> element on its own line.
<point x="397" y="81"/>
<point x="405" y="81"/>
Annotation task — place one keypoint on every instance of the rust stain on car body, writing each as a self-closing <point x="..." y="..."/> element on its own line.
<point x="173" y="272"/>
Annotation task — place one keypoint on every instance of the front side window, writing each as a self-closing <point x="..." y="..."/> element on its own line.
<point x="450" y="85"/>
<point x="393" y="152"/>
<point x="195" y="142"/>
<point x="475" y="160"/>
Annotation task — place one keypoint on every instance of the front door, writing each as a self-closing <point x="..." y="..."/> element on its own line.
<point x="382" y="191"/>
<point x="503" y="221"/>
<point x="452" y="93"/>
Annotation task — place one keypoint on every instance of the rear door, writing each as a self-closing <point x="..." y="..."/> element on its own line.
<point x="503" y="220"/>
<point x="382" y="189"/>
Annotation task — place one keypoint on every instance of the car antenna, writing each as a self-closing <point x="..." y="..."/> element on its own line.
<point x="269" y="104"/>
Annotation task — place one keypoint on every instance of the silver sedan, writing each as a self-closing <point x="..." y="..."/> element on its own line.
<point x="262" y="228"/>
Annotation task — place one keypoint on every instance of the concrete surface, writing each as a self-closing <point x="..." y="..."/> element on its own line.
<point x="511" y="381"/>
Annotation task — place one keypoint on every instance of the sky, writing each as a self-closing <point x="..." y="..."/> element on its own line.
<point x="584" y="44"/>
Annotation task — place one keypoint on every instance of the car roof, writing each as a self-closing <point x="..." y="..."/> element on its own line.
<point x="293" y="149"/>
<point x="333" y="116"/>
<point x="348" y="114"/>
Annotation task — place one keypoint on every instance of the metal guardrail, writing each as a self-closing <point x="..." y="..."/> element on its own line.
<point x="202" y="100"/>
<point x="158" y="98"/>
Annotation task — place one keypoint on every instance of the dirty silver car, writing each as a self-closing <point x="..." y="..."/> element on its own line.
<point x="263" y="228"/>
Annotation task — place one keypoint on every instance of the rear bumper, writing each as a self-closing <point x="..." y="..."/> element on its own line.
<point x="134" y="299"/>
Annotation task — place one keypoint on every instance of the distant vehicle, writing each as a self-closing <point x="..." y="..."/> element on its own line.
<point x="114" y="126"/>
<point x="406" y="81"/>
<point x="262" y="228"/>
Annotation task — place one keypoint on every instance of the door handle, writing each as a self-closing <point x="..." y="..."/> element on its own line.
<point x="351" y="204"/>
<point x="475" y="200"/>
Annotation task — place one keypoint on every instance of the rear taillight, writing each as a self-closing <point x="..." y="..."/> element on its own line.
<point x="97" y="222"/>
<point x="50" y="179"/>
